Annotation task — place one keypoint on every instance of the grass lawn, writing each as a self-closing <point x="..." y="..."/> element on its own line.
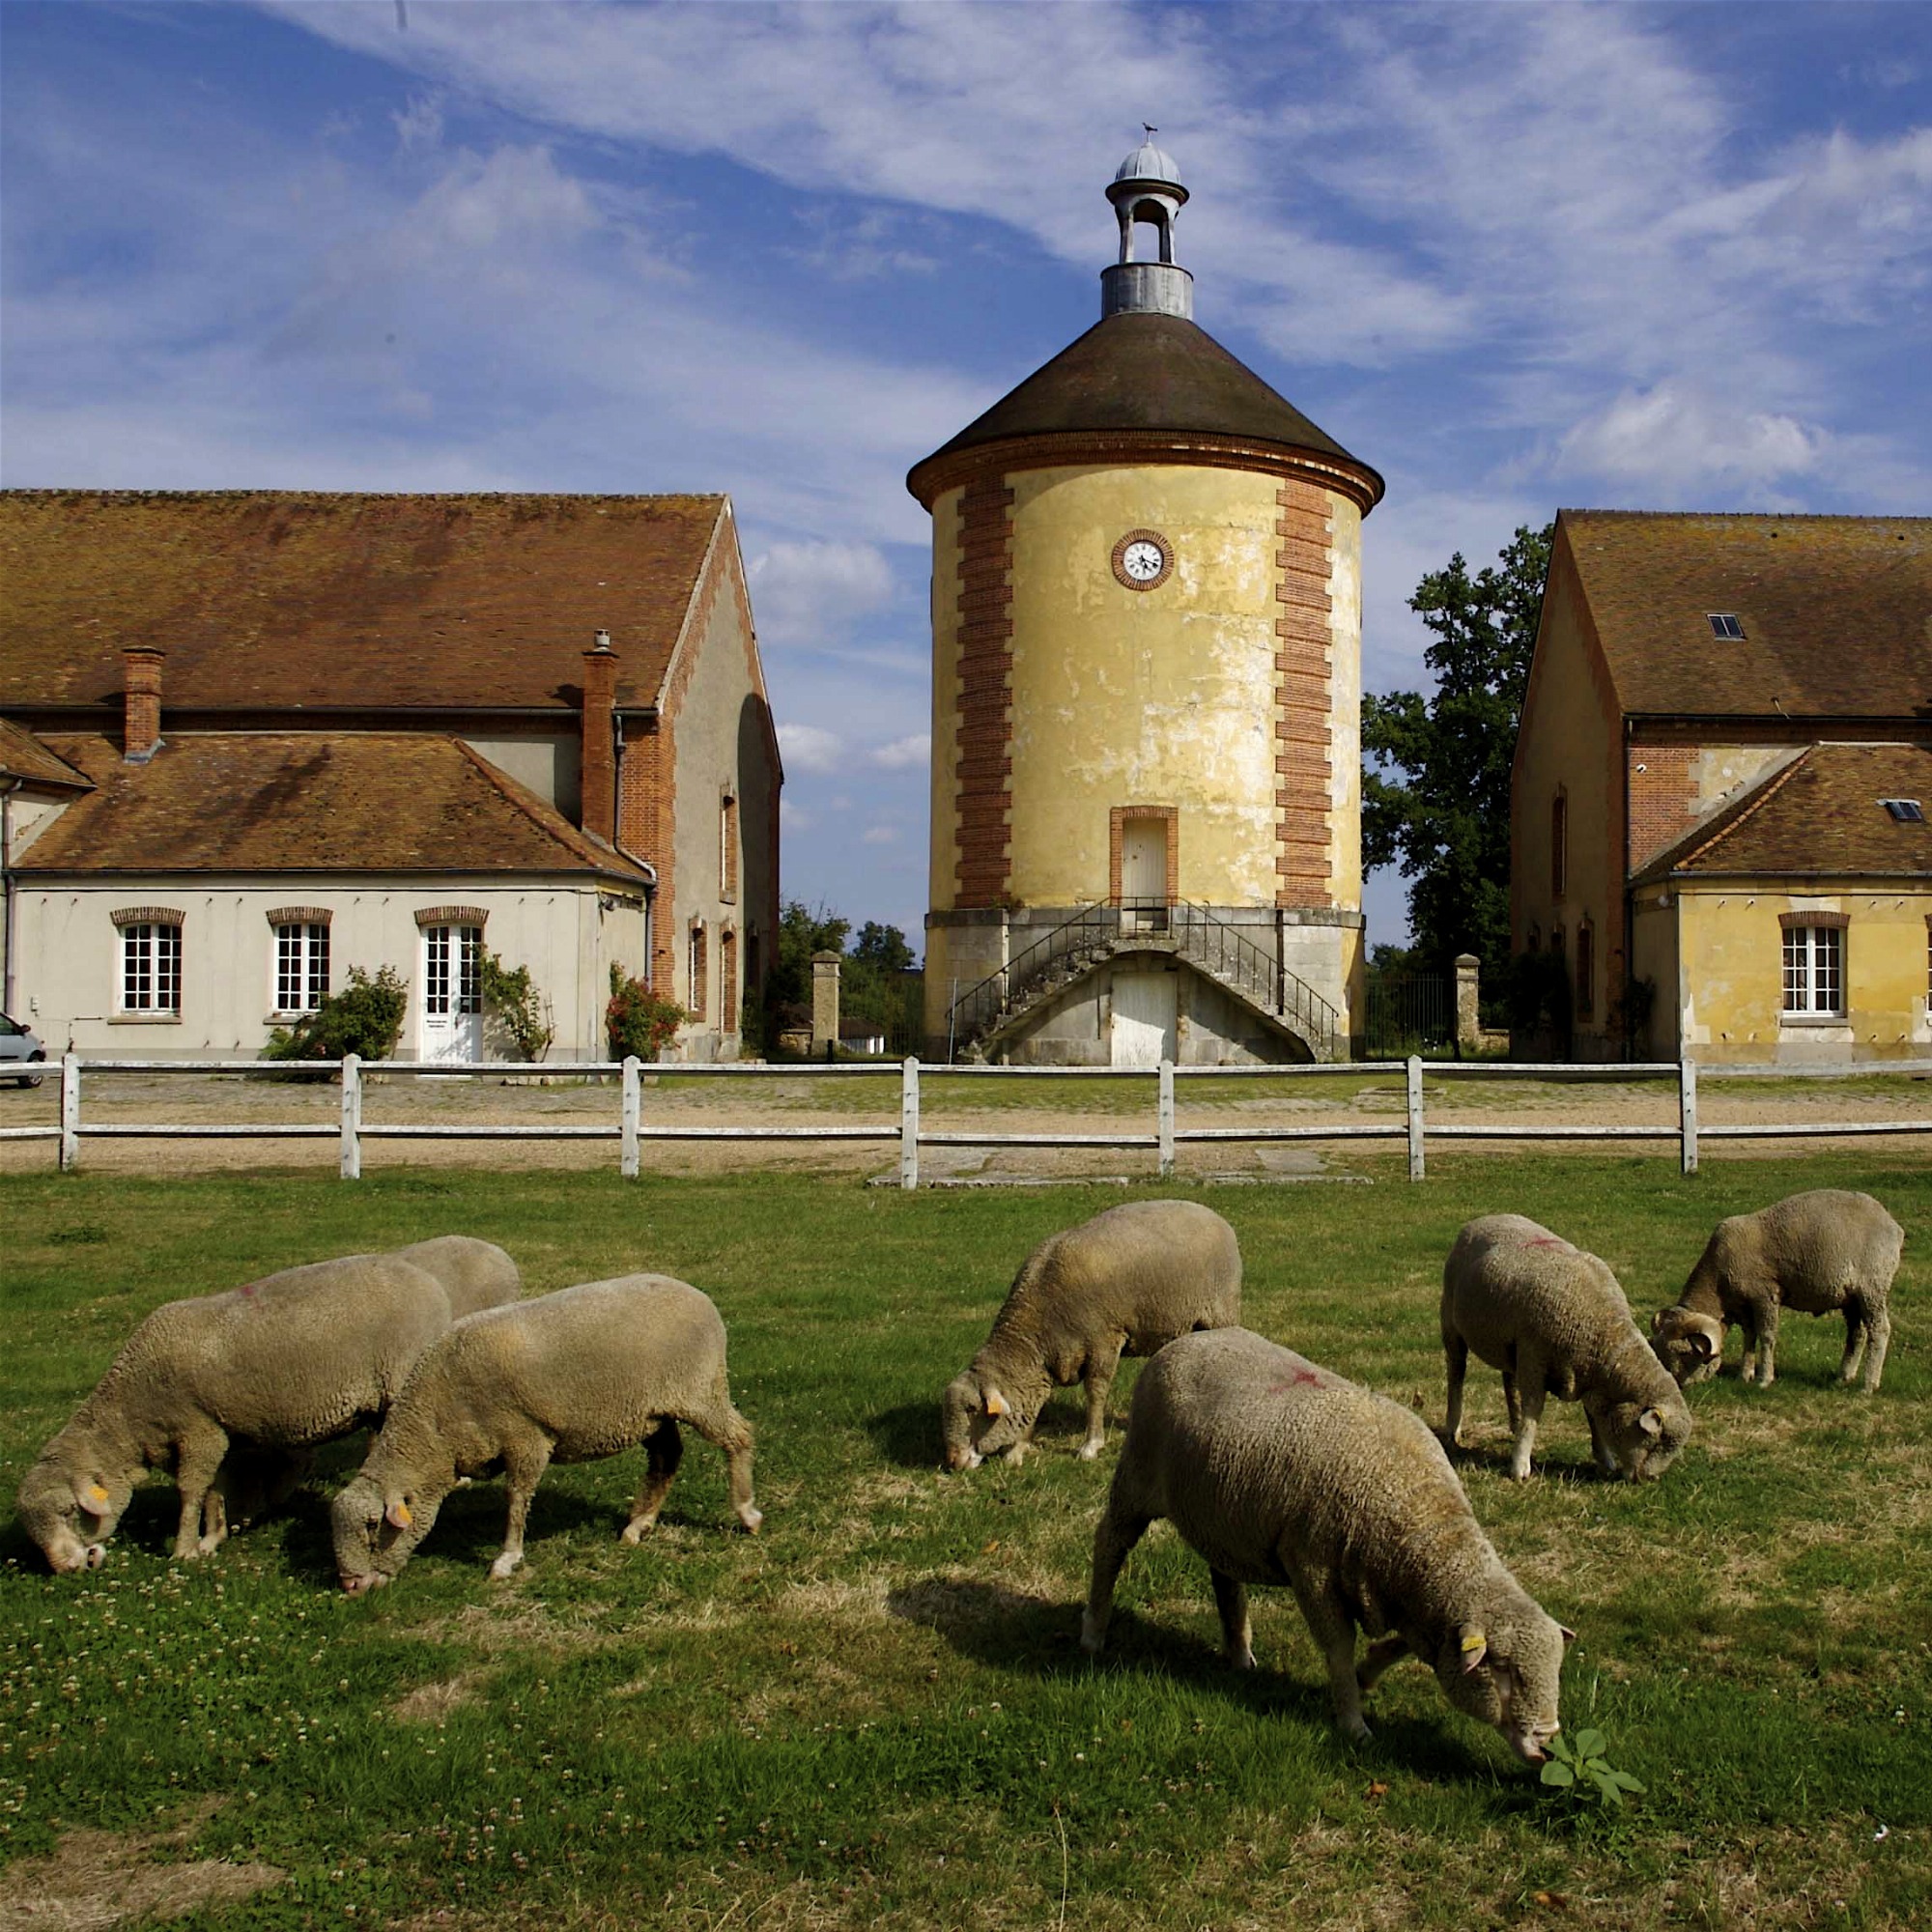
<point x="875" y="1713"/>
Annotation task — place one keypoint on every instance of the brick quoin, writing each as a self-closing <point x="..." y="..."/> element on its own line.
<point x="986" y="727"/>
<point x="1663" y="798"/>
<point x="1304" y="693"/>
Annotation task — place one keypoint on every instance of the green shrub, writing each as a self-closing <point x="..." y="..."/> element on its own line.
<point x="516" y="1010"/>
<point x="637" y="1020"/>
<point x="365" y="1018"/>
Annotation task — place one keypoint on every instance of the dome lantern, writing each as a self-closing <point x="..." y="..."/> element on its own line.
<point x="1146" y="189"/>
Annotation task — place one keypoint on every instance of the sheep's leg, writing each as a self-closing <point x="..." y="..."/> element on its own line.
<point x="1334" y="1631"/>
<point x="1748" y="1321"/>
<point x="664" y="1450"/>
<point x="1529" y="1397"/>
<point x="196" y="1464"/>
<point x="1767" y="1345"/>
<point x="1231" y="1599"/>
<point x="1102" y="1369"/>
<point x="1383" y="1652"/>
<point x="1600" y="1446"/>
<point x="1878" y="1339"/>
<point x="1512" y="1401"/>
<point x="524" y="1466"/>
<point x="1455" y="1353"/>
<point x="213" y="1521"/>
<point x="1857" y="1327"/>
<point x="729" y="1432"/>
<point x="1120" y="1528"/>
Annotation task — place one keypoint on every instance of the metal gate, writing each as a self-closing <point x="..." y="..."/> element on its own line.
<point x="1409" y="1014"/>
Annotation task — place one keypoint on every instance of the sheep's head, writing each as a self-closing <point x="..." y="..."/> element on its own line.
<point x="1643" y="1437"/>
<point x="975" y="1420"/>
<point x="1689" y="1344"/>
<point x="377" y="1525"/>
<point x="71" y="1511"/>
<point x="1505" y="1671"/>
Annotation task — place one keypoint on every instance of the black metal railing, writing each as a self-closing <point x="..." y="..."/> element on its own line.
<point x="1221" y="949"/>
<point x="1407" y="1013"/>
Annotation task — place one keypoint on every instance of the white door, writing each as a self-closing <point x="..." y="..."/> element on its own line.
<point x="1143" y="876"/>
<point x="452" y="1002"/>
<point x="1144" y="1007"/>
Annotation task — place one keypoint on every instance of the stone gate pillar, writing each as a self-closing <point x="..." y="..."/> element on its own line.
<point x="824" y="1002"/>
<point x="1468" y="1011"/>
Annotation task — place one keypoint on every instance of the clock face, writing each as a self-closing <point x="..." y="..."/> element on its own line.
<point x="1143" y="559"/>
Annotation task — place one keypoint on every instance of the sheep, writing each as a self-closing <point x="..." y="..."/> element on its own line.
<point x="273" y="1367"/>
<point x="1823" y="1249"/>
<point x="1553" y="1319"/>
<point x="475" y="1274"/>
<point x="1278" y="1471"/>
<point x="1123" y="1283"/>
<point x="572" y="1377"/>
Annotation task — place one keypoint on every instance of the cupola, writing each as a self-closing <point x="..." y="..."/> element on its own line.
<point x="1147" y="192"/>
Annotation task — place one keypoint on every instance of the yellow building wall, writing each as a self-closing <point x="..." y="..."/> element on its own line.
<point x="1731" y="983"/>
<point x="943" y="885"/>
<point x="1568" y="741"/>
<point x="1345" y="629"/>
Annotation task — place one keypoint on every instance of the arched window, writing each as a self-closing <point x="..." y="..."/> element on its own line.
<point x="1559" y="845"/>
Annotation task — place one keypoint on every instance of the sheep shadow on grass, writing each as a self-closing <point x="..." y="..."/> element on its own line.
<point x="908" y="1436"/>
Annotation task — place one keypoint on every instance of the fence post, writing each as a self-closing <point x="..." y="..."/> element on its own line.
<point x="909" y="1123"/>
<point x="633" y="1113"/>
<point x="1687" y="1110"/>
<point x="351" y="1117"/>
<point x="69" y="1140"/>
<point x="1415" y="1165"/>
<point x="1166" y="1119"/>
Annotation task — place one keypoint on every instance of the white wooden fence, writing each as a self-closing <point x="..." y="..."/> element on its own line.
<point x="631" y="1129"/>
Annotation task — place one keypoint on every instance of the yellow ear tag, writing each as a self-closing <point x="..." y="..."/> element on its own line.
<point x="399" y="1514"/>
<point x="1475" y="1642"/>
<point x="996" y="1403"/>
<point x="97" y="1494"/>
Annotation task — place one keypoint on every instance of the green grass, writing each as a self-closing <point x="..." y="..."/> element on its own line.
<point x="875" y="1714"/>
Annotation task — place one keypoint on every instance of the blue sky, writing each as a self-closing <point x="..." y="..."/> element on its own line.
<point x="1515" y="256"/>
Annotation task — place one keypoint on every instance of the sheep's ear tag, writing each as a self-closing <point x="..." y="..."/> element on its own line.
<point x="1651" y="1422"/>
<point x="996" y="1403"/>
<point x="398" y="1515"/>
<point x="1475" y="1646"/>
<point x="94" y="1496"/>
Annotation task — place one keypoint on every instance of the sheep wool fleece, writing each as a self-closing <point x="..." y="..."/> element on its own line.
<point x="1278" y="1471"/>
<point x="475" y="1274"/>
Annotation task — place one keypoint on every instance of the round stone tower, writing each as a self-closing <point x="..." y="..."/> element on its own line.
<point x="1146" y="692"/>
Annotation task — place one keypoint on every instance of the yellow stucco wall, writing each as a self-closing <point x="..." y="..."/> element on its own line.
<point x="1345" y="590"/>
<point x="944" y="822"/>
<point x="1569" y="740"/>
<point x="1730" y="977"/>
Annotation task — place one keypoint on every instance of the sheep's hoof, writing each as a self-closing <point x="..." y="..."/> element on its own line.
<point x="1356" y="1733"/>
<point x="639" y="1527"/>
<point x="1089" y="1451"/>
<point x="750" y="1518"/>
<point x="1245" y="1661"/>
<point x="505" y="1565"/>
<point x="1091" y="1635"/>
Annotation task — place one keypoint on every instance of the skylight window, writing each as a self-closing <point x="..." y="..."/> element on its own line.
<point x="1905" y="810"/>
<point x="1724" y="625"/>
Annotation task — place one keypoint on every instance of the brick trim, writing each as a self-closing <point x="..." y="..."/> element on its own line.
<point x="149" y="916"/>
<point x="1117" y="836"/>
<point x="451" y="915"/>
<point x="1788" y="921"/>
<point x="984" y="732"/>
<point x="299" y="916"/>
<point x="1304" y="696"/>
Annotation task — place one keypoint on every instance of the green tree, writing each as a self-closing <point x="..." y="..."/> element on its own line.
<point x="1436" y="785"/>
<point x="801" y="932"/>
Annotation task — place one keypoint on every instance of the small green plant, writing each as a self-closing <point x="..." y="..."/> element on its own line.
<point x="638" y="1020"/>
<point x="1578" y="1764"/>
<point x="519" y="1010"/>
<point x="365" y="1018"/>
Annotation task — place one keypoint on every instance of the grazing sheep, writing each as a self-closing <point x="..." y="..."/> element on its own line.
<point x="1277" y="1471"/>
<point x="1553" y="1319"/>
<point x="276" y="1366"/>
<point x="569" y="1377"/>
<point x="475" y="1274"/>
<point x="1818" y="1251"/>
<point x="1123" y="1284"/>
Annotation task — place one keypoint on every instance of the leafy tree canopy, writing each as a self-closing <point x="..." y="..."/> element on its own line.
<point x="1435" y="787"/>
<point x="867" y="980"/>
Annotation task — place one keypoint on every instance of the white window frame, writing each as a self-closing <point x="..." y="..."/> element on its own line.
<point x="1814" y="973"/>
<point x="452" y="969"/>
<point x="151" y="968"/>
<point x="301" y="965"/>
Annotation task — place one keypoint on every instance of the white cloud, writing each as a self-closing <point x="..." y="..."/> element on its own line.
<point x="808" y="748"/>
<point x="812" y="592"/>
<point x="879" y="835"/>
<point x="906" y="753"/>
<point x="1669" y="442"/>
<point x="419" y="124"/>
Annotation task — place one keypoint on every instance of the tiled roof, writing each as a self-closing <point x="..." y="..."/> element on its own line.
<point x="270" y="599"/>
<point x="1820" y="815"/>
<point x="310" y="801"/>
<point x="22" y="755"/>
<point x="1837" y="612"/>
<point x="1137" y="370"/>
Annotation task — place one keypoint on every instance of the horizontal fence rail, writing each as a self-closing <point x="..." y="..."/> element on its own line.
<point x="631" y="1129"/>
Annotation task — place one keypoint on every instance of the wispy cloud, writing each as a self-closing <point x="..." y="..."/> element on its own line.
<point x="908" y="753"/>
<point x="809" y="748"/>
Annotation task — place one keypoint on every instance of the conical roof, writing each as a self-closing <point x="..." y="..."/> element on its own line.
<point x="1139" y="371"/>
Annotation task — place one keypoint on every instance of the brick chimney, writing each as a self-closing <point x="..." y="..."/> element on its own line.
<point x="141" y="732"/>
<point x="598" y="791"/>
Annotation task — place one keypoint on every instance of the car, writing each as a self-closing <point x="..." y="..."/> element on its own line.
<point x="20" y="1050"/>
